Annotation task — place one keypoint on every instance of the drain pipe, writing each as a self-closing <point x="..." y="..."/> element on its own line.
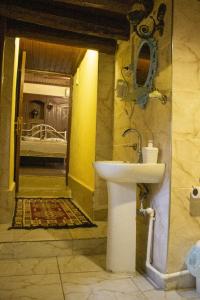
<point x="151" y="212"/>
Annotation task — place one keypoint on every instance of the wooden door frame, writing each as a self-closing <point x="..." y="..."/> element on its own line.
<point x="3" y="25"/>
<point x="18" y="115"/>
<point x="69" y="130"/>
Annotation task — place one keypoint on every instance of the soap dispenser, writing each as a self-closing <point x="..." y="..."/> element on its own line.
<point x="150" y="153"/>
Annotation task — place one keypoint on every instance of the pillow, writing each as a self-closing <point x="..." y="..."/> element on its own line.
<point x="30" y="138"/>
<point x="55" y="140"/>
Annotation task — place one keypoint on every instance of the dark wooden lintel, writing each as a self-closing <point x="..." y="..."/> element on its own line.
<point x="32" y="31"/>
<point x="116" y="6"/>
<point x="62" y="19"/>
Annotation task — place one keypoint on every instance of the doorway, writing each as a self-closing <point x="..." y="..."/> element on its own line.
<point x="92" y="117"/>
<point x="44" y="110"/>
<point x="50" y="149"/>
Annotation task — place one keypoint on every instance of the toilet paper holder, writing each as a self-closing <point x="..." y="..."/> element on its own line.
<point x="195" y="201"/>
<point x="195" y="193"/>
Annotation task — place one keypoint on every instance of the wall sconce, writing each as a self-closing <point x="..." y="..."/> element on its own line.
<point x="142" y="9"/>
<point x="49" y="106"/>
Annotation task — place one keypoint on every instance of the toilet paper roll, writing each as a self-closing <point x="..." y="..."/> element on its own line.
<point x="195" y="193"/>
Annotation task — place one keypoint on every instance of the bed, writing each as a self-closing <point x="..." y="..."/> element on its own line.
<point x="43" y="141"/>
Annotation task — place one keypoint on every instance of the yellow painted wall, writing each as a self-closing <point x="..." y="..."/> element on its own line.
<point x="13" y="111"/>
<point x="83" y="132"/>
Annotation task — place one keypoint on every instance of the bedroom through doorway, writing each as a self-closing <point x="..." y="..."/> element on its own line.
<point x="43" y="117"/>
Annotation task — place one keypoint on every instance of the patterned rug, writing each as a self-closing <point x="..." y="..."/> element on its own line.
<point x="33" y="213"/>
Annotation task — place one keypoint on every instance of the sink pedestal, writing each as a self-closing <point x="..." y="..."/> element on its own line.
<point x="121" y="237"/>
<point x="121" y="181"/>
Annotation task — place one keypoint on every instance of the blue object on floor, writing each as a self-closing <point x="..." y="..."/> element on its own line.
<point x="193" y="260"/>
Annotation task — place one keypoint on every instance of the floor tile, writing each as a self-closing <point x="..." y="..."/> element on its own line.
<point x="162" y="295"/>
<point x="38" y="234"/>
<point x="29" y="266"/>
<point x="35" y="249"/>
<point x="99" y="286"/>
<point x="142" y="283"/>
<point x="189" y="294"/>
<point x="89" y="246"/>
<point x="88" y="233"/>
<point x="41" y="234"/>
<point x="37" y="287"/>
<point x="104" y="295"/>
<point x="80" y="263"/>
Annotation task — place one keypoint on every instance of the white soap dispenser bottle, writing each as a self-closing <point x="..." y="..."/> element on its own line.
<point x="150" y="153"/>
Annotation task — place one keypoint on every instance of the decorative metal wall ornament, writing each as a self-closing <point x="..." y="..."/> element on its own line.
<point x="140" y="12"/>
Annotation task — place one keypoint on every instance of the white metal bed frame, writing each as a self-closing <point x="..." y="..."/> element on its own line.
<point x="44" y="131"/>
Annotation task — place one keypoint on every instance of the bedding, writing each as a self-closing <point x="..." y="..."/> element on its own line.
<point x="43" y="148"/>
<point x="30" y="138"/>
<point x="55" y="140"/>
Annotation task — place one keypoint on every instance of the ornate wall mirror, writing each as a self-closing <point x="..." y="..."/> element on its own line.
<point x="145" y="66"/>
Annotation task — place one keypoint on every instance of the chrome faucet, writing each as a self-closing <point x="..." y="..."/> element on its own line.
<point x="137" y="146"/>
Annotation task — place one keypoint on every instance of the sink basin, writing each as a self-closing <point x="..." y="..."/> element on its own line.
<point x="119" y="171"/>
<point x="122" y="178"/>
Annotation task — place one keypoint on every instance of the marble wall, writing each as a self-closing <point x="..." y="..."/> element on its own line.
<point x="154" y="122"/>
<point x="104" y="129"/>
<point x="184" y="229"/>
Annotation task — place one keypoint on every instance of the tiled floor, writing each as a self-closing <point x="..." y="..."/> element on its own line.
<point x="55" y="265"/>
<point x="43" y="186"/>
<point x="75" y="278"/>
<point x="19" y="235"/>
<point x="53" y="170"/>
<point x="22" y="243"/>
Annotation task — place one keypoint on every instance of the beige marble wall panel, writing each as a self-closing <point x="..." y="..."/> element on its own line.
<point x="122" y="110"/>
<point x="123" y="153"/>
<point x="184" y="229"/>
<point x="186" y="56"/>
<point x="153" y="123"/>
<point x="7" y="204"/>
<point x="186" y="162"/>
<point x="186" y="113"/>
<point x="104" y="129"/>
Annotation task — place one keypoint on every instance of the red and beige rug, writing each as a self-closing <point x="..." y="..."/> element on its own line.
<point x="33" y="213"/>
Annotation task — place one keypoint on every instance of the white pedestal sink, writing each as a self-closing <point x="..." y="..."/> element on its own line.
<point x="121" y="180"/>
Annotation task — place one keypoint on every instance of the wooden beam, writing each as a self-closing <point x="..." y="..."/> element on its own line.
<point x="21" y="29"/>
<point x="43" y="77"/>
<point x="55" y="18"/>
<point x="116" y="6"/>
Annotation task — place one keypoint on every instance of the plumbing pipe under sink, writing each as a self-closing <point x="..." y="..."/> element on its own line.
<point x="149" y="266"/>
